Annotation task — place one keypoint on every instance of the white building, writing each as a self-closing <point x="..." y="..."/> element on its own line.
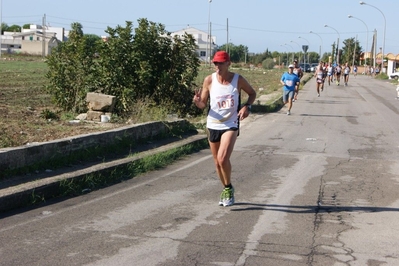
<point x="206" y="46"/>
<point x="35" y="40"/>
<point x="39" y="41"/>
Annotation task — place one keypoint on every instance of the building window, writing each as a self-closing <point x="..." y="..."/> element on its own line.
<point x="202" y="53"/>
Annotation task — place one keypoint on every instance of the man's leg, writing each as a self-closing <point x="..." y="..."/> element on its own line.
<point x="286" y="98"/>
<point x="289" y="103"/>
<point x="221" y="152"/>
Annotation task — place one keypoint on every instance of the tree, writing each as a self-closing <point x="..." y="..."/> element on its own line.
<point x="118" y="67"/>
<point x="14" y="28"/>
<point x="258" y="59"/>
<point x="3" y="27"/>
<point x="145" y="66"/>
<point x="313" y="57"/>
<point x="92" y="39"/>
<point x="237" y="53"/>
<point x="349" y="54"/>
<point x="72" y="71"/>
<point x="326" y="57"/>
<point x="77" y="29"/>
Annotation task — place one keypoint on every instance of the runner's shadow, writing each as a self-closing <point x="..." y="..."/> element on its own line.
<point x="318" y="101"/>
<point x="309" y="208"/>
<point x="346" y="116"/>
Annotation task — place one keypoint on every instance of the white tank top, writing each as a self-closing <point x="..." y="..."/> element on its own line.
<point x="224" y="104"/>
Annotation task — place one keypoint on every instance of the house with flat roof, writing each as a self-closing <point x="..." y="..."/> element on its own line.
<point x="36" y="40"/>
<point x="206" y="44"/>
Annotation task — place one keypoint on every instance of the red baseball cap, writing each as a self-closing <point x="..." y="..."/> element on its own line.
<point x="221" y="56"/>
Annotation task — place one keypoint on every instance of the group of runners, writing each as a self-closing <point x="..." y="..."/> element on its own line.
<point x="291" y="79"/>
<point x="332" y="73"/>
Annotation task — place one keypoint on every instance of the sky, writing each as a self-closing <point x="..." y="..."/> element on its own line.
<point x="273" y="25"/>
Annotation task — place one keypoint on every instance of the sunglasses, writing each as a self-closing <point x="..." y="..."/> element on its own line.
<point x="218" y="63"/>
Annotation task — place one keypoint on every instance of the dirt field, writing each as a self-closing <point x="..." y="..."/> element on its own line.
<point x="23" y="103"/>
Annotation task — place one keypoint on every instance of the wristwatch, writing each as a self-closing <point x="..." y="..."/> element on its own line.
<point x="248" y="105"/>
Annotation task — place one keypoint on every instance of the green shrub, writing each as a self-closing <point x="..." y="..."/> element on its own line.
<point x="148" y="64"/>
<point x="268" y="63"/>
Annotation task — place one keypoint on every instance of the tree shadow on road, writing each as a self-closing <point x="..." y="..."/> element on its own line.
<point x="245" y="206"/>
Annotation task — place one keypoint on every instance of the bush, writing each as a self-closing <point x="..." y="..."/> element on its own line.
<point x="148" y="64"/>
<point x="268" y="63"/>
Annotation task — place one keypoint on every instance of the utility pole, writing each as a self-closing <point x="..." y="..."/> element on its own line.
<point x="227" y="45"/>
<point x="208" y="56"/>
<point x="44" y="36"/>
<point x="374" y="48"/>
<point x="1" y="24"/>
<point x="210" y="43"/>
<point x="354" y="53"/>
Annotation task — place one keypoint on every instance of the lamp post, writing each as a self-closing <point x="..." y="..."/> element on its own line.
<point x="304" y="39"/>
<point x="300" y="50"/>
<point x="337" y="41"/>
<point x="302" y="46"/>
<point x="287" y="52"/>
<point x="385" y="25"/>
<point x="209" y="33"/>
<point x="297" y="44"/>
<point x="367" y="41"/>
<point x="292" y="50"/>
<point x="321" y="42"/>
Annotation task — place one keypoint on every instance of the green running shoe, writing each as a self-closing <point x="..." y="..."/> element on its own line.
<point x="228" y="199"/>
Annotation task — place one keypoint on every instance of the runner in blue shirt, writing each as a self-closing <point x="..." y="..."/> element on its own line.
<point x="290" y="81"/>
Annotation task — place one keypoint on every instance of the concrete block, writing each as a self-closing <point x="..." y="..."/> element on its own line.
<point x="94" y="115"/>
<point x="100" y="102"/>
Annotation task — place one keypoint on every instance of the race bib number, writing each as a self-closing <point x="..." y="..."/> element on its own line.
<point x="227" y="103"/>
<point x="289" y="83"/>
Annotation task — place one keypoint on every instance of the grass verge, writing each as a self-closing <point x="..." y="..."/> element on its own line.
<point x="96" y="180"/>
<point x="87" y="183"/>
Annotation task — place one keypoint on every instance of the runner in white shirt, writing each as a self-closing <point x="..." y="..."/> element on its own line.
<point x="223" y="88"/>
<point x="330" y="71"/>
<point x="347" y="70"/>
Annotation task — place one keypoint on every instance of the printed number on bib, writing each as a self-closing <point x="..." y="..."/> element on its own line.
<point x="226" y="104"/>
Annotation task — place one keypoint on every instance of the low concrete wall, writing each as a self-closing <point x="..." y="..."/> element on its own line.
<point x="18" y="157"/>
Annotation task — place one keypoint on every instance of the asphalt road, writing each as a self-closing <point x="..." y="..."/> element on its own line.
<point x="318" y="187"/>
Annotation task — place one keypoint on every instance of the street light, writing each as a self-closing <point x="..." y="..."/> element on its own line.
<point x="306" y="49"/>
<point x="320" y="40"/>
<point x="337" y="41"/>
<point x="209" y="33"/>
<point x="385" y="24"/>
<point x="287" y="52"/>
<point x="367" y="28"/>
<point x="304" y="39"/>
<point x="293" y="51"/>
<point x="300" y="50"/>
<point x="297" y="44"/>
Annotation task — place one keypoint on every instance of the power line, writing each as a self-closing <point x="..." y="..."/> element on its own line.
<point x="78" y="20"/>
